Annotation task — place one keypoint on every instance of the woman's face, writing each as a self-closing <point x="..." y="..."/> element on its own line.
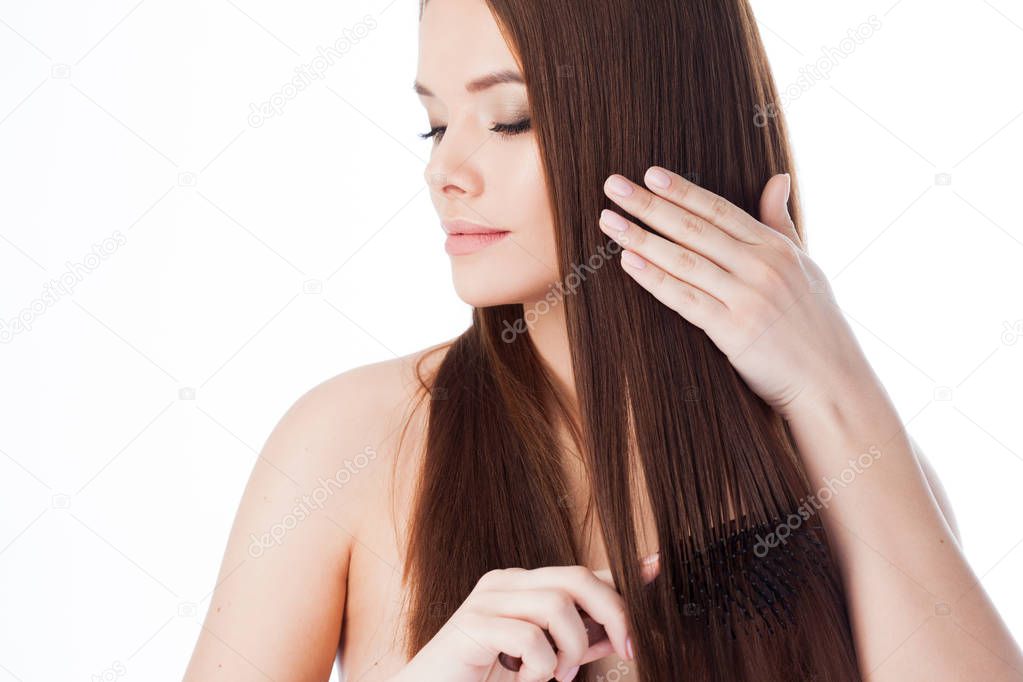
<point x="492" y="179"/>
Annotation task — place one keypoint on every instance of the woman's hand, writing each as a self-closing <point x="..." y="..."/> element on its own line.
<point x="508" y="611"/>
<point x="750" y="286"/>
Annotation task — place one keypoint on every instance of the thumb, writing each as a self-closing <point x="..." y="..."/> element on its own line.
<point x="774" y="206"/>
<point x="649" y="568"/>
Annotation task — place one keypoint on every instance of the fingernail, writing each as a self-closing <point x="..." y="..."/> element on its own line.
<point x="658" y="178"/>
<point x="613" y="220"/>
<point x="651" y="559"/>
<point x="629" y="258"/>
<point x="570" y="675"/>
<point x="628" y="648"/>
<point x="619" y="186"/>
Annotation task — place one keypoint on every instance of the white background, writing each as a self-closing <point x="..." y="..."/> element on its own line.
<point x="258" y="261"/>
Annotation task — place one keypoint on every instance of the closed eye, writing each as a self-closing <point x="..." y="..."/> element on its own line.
<point x="434" y="132"/>
<point x="509" y="129"/>
<point x="503" y="129"/>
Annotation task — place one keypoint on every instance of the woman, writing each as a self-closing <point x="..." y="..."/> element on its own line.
<point x="667" y="391"/>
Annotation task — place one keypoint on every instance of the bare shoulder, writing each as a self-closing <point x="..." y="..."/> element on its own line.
<point x="378" y="391"/>
<point x="348" y="427"/>
<point x="320" y="468"/>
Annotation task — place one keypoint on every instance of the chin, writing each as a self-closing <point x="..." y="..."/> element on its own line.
<point x="485" y="295"/>
<point x="485" y="286"/>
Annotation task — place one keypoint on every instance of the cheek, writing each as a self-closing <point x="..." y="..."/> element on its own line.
<point x="531" y="206"/>
<point x="523" y="271"/>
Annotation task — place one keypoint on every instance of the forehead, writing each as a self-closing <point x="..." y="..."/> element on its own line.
<point x="459" y="40"/>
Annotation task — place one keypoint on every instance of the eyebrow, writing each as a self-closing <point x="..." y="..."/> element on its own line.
<point x="478" y="84"/>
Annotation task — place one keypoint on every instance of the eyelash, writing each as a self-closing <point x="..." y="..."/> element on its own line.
<point x="503" y="129"/>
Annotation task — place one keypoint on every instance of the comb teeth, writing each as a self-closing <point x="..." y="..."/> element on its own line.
<point x="732" y="580"/>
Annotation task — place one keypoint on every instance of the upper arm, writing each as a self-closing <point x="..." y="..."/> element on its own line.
<point x="937" y="490"/>
<point x="276" y="610"/>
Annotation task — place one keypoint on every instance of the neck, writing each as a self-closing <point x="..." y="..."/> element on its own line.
<point x="549" y="333"/>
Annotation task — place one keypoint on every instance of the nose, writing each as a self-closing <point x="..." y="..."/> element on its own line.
<point x="453" y="171"/>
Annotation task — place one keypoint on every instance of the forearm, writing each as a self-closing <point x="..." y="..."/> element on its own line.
<point x="917" y="608"/>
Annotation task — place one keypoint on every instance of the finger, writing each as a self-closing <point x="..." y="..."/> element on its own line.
<point x="702" y="202"/>
<point x="678" y="261"/>
<point x="649" y="569"/>
<point x="525" y="641"/>
<point x="600" y="600"/>
<point x="692" y="303"/>
<point x="598" y="651"/>
<point x="677" y="223"/>
<point x="774" y="207"/>
<point x="552" y="610"/>
<point x="600" y="646"/>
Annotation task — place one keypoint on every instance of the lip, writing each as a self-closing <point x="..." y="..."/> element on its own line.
<point x="466" y="237"/>
<point x="464" y="244"/>
<point x="457" y="226"/>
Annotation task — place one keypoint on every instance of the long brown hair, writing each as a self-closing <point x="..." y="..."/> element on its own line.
<point x="616" y="86"/>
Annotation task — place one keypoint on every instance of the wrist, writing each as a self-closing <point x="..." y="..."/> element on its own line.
<point x="407" y="673"/>
<point x="853" y="415"/>
<point x="840" y="395"/>
<point x="426" y="661"/>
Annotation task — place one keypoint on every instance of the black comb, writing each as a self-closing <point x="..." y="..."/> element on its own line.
<point x="770" y="561"/>
<point x="753" y="576"/>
